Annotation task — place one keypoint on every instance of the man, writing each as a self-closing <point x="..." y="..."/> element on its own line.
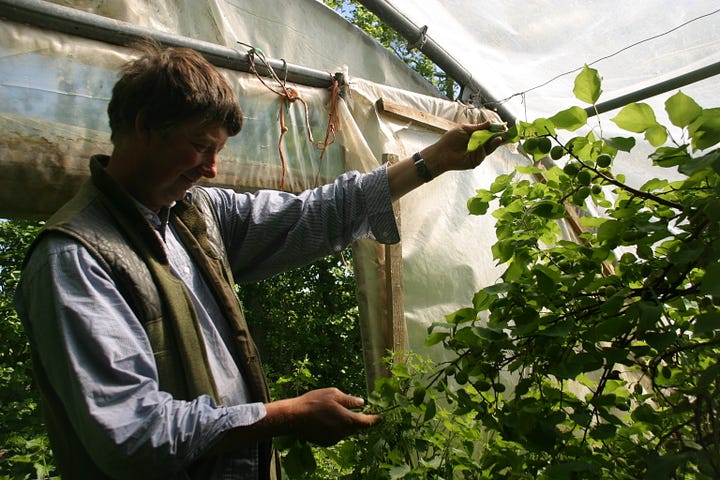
<point x="140" y="347"/>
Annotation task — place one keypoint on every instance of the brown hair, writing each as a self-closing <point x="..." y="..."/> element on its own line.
<point x="169" y="87"/>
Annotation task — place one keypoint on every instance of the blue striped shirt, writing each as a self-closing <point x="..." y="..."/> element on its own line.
<point x="98" y="357"/>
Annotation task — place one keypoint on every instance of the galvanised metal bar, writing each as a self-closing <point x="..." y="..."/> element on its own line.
<point x="417" y="38"/>
<point x="657" y="89"/>
<point x="68" y="20"/>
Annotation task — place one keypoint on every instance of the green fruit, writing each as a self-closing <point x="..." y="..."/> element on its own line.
<point x="584" y="192"/>
<point x="557" y="152"/>
<point x="482" y="386"/>
<point x="584" y="177"/>
<point x="571" y="168"/>
<point x="596" y="189"/>
<point x="544" y="145"/>
<point x="498" y="387"/>
<point x="418" y="396"/>
<point x="531" y="144"/>
<point x="603" y="160"/>
<point x="580" y="195"/>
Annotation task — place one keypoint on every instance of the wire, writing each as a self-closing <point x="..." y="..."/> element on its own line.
<point x="556" y="77"/>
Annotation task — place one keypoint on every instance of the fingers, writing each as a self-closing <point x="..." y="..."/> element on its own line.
<point x="326" y="416"/>
<point x="349" y="401"/>
<point x="472" y="127"/>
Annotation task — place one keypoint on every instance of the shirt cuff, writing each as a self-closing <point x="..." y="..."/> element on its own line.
<point x="244" y="415"/>
<point x="380" y="212"/>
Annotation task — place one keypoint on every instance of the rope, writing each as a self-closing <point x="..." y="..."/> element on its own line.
<point x="287" y="95"/>
<point x="333" y="124"/>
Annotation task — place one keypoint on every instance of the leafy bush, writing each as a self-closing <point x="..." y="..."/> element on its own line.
<point x="593" y="358"/>
<point x="305" y="323"/>
<point x="24" y="446"/>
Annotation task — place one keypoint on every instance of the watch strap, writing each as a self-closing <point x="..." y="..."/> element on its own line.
<point x="421" y="167"/>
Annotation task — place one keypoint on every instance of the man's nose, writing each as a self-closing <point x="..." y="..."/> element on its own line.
<point x="209" y="166"/>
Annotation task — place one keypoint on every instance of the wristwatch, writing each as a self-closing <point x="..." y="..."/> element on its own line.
<point x="421" y="167"/>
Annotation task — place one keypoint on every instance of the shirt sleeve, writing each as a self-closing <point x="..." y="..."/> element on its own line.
<point x="270" y="231"/>
<point x="99" y="360"/>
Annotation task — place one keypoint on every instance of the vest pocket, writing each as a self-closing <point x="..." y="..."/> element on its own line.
<point x="166" y="358"/>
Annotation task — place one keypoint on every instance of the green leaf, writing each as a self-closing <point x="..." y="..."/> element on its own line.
<point x="430" y="410"/>
<point x="399" y="471"/>
<point x="654" y="184"/>
<point x="479" y="138"/>
<point x="707" y="322"/>
<point x="482" y="300"/>
<point x="587" y="85"/>
<point x="635" y="117"/>
<point x="543" y="126"/>
<point x="625" y="144"/>
<point x="299" y="461"/>
<point x="503" y="250"/>
<point x="656" y="135"/>
<point x="610" y="230"/>
<point x="434" y="338"/>
<point x="529" y="169"/>
<point x="463" y="315"/>
<point x="570" y="119"/>
<point x="705" y="130"/>
<point x="477" y="206"/>
<point x="603" y="431"/>
<point x="501" y="182"/>
<point x="710" y="284"/>
<point x="571" y="469"/>
<point x="547" y="209"/>
<point x="682" y="110"/>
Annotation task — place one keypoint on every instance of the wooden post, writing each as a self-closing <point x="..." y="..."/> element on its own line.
<point x="378" y="270"/>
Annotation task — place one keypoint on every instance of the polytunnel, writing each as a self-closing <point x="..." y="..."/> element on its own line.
<point x="361" y="106"/>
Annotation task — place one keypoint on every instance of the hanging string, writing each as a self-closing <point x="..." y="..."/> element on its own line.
<point x="333" y="124"/>
<point x="288" y="96"/>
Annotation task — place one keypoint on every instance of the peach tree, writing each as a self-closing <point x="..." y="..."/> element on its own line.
<point x="595" y="355"/>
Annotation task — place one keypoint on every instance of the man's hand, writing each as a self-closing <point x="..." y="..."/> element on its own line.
<point x="325" y="417"/>
<point x="321" y="416"/>
<point x="450" y="151"/>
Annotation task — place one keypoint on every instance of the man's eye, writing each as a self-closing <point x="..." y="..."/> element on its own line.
<point x="202" y="148"/>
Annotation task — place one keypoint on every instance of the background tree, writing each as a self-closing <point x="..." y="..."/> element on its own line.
<point x="24" y="447"/>
<point x="305" y="323"/>
<point x="360" y="16"/>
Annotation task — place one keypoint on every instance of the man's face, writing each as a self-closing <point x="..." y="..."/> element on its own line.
<point x="176" y="161"/>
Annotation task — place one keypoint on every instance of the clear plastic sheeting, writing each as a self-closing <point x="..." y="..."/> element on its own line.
<point x="303" y="33"/>
<point x="54" y="91"/>
<point x="528" y="52"/>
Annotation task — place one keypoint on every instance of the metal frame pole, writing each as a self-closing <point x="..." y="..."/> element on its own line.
<point x="473" y="92"/>
<point x="68" y="20"/>
<point x="656" y="89"/>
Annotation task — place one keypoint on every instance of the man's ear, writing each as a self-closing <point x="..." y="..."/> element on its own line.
<point x="142" y="130"/>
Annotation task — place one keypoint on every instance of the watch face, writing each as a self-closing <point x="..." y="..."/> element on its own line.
<point x="421" y="168"/>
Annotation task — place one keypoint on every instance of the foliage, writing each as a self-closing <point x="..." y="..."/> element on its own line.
<point x="305" y="323"/>
<point x="24" y="447"/>
<point x="594" y="358"/>
<point x="360" y="16"/>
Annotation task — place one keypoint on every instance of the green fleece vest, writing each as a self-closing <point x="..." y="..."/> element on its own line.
<point x="104" y="219"/>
